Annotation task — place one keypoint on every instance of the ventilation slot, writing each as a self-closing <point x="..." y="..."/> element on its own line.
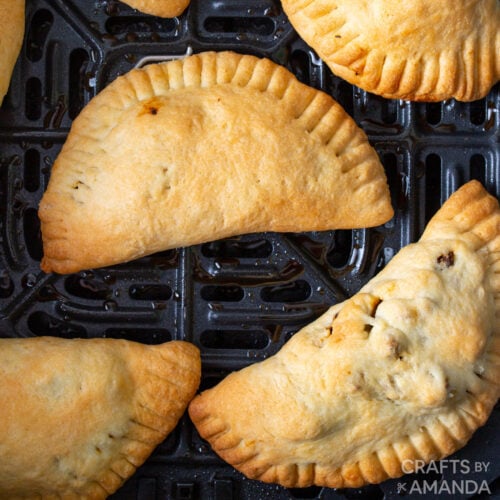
<point x="222" y="293"/>
<point x="298" y="291"/>
<point x="299" y="65"/>
<point x="142" y="335"/>
<point x="234" y="339"/>
<point x="87" y="288"/>
<point x="433" y="113"/>
<point x="432" y="185"/>
<point x="345" y="97"/>
<point x="37" y="34"/>
<point x="340" y="253"/>
<point x="390" y="161"/>
<point x="477" y="110"/>
<point x="41" y="324"/>
<point x="130" y="25"/>
<point x="150" y="292"/>
<point x="254" y="25"/>
<point x="389" y="111"/>
<point x="33" y="105"/>
<point x="31" y="170"/>
<point x="184" y="491"/>
<point x="478" y="168"/>
<point x="32" y="236"/>
<point x="237" y="249"/>
<point x="78" y="61"/>
<point x="163" y="260"/>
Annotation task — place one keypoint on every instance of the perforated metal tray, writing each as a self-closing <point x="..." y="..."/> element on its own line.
<point x="239" y="299"/>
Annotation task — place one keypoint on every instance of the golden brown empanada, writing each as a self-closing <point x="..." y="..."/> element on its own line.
<point x="207" y="147"/>
<point x="421" y="50"/>
<point x="405" y="370"/>
<point x="11" y="39"/>
<point x="79" y="416"/>
<point x="161" y="8"/>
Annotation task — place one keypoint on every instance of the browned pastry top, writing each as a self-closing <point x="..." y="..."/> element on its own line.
<point x="405" y="370"/>
<point x="422" y="50"/>
<point x="194" y="150"/>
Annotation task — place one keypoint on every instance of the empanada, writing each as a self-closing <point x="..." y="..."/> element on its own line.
<point x="203" y="148"/>
<point x="421" y="50"/>
<point x="405" y="370"/>
<point x="79" y="416"/>
<point x="161" y="8"/>
<point x="11" y="40"/>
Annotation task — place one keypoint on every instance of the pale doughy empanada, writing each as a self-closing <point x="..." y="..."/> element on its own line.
<point x="203" y="148"/>
<point x="11" y="39"/>
<point x="161" y="8"/>
<point x="422" y="50"/>
<point x="79" y="416"/>
<point x="405" y="370"/>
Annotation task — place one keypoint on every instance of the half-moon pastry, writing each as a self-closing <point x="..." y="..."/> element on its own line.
<point x="422" y="51"/>
<point x="404" y="371"/>
<point x="79" y="416"/>
<point x="11" y="39"/>
<point x="198" y="149"/>
<point x="160" y="8"/>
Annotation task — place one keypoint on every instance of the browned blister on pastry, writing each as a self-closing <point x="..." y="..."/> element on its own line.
<point x="404" y="371"/>
<point x="423" y="50"/>
<point x="11" y="39"/>
<point x="161" y="8"/>
<point x="79" y="416"/>
<point x="207" y="147"/>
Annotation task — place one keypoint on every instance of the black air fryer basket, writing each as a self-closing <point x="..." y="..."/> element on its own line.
<point x="237" y="299"/>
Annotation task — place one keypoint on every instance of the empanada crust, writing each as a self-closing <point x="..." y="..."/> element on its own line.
<point x="11" y="40"/>
<point x="79" y="416"/>
<point x="405" y="370"/>
<point x="160" y="8"/>
<point x="422" y="51"/>
<point x="203" y="148"/>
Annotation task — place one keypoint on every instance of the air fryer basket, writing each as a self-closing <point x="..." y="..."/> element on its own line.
<point x="237" y="299"/>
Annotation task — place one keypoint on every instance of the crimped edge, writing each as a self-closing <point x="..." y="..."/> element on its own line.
<point x="466" y="72"/>
<point x="477" y="215"/>
<point x="317" y="113"/>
